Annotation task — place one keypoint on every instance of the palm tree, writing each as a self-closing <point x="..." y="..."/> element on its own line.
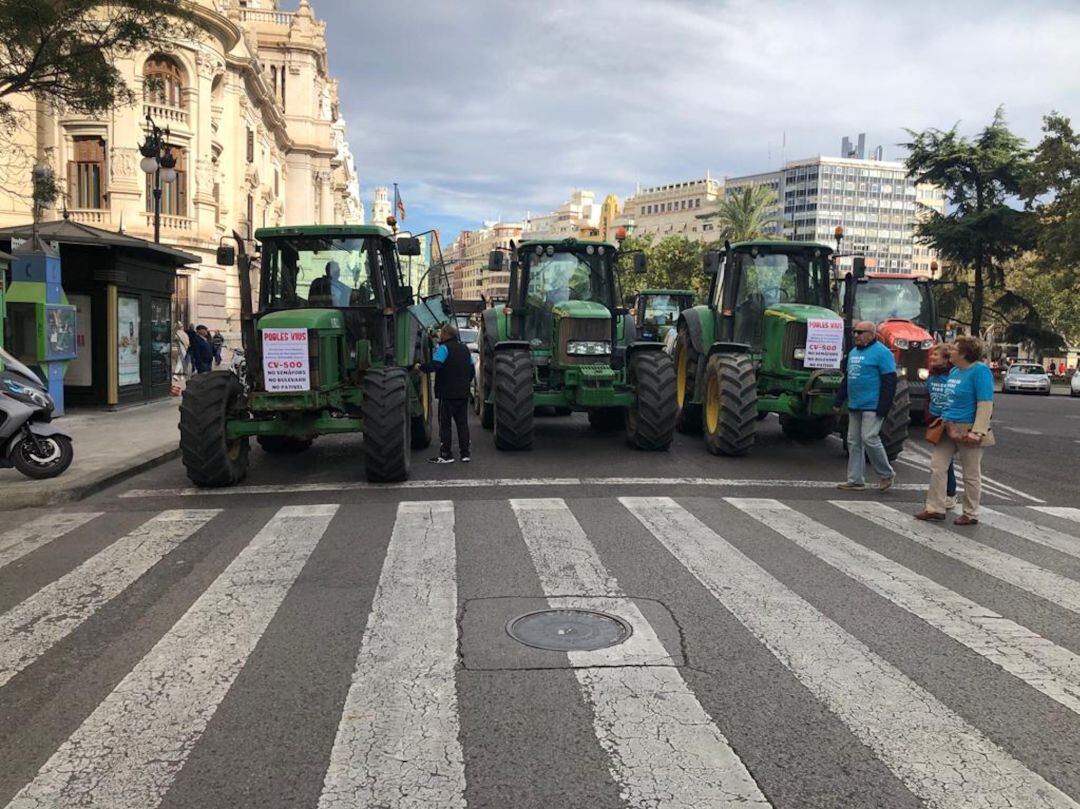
<point x="744" y="215"/>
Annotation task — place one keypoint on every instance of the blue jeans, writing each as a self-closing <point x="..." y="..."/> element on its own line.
<point x="864" y="439"/>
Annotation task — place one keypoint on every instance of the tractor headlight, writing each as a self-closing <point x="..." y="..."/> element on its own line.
<point x="924" y="374"/>
<point x="901" y="373"/>
<point x="902" y="343"/>
<point x="926" y="344"/>
<point x="799" y="353"/>
<point x="588" y="347"/>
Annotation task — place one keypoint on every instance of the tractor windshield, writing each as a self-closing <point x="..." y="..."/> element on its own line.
<point x="568" y="276"/>
<point x="663" y="310"/>
<point x="878" y="299"/>
<point x="322" y="272"/>
<point x="769" y="278"/>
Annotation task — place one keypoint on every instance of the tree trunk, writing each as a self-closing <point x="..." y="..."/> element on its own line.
<point x="977" y="299"/>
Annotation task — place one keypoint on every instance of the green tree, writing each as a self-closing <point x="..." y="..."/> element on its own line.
<point x="64" y="52"/>
<point x="981" y="231"/>
<point x="1052" y="189"/>
<point x="744" y="215"/>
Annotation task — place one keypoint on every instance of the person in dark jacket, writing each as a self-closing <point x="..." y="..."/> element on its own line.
<point x="869" y="387"/>
<point x="217" y="342"/>
<point x="202" y="354"/>
<point x="453" y="369"/>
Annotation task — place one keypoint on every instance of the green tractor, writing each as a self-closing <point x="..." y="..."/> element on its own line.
<point x="746" y="352"/>
<point x="562" y="342"/>
<point x="656" y="311"/>
<point x="330" y="350"/>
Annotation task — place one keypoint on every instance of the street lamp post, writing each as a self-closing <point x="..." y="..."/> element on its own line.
<point x="158" y="160"/>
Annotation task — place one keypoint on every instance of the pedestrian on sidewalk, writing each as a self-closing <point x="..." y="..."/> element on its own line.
<point x="967" y="431"/>
<point x="217" y="342"/>
<point x="868" y="387"/>
<point x="202" y="355"/>
<point x="453" y="369"/>
<point x="937" y="400"/>
<point x="183" y="351"/>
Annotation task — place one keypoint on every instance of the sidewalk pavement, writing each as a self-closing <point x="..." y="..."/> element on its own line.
<point x="109" y="447"/>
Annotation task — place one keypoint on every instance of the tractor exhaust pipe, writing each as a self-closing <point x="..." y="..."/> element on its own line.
<point x="252" y="353"/>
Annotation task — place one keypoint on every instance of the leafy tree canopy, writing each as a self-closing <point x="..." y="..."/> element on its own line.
<point x="674" y="262"/>
<point x="744" y="215"/>
<point x="1052" y="189"/>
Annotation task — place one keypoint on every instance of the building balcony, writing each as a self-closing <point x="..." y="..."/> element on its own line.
<point x="166" y="116"/>
<point x="97" y="217"/>
<point x="266" y="15"/>
<point x="175" y="224"/>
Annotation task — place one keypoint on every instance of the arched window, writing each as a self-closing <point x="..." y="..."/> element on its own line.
<point x="163" y="81"/>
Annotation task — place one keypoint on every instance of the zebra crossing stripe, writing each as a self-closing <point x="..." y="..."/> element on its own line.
<point x="23" y="539"/>
<point x="1029" y="657"/>
<point x="397" y="741"/>
<point x="30" y="628"/>
<point x="128" y="751"/>
<point x="1064" y="512"/>
<point x="665" y="750"/>
<point x="939" y="757"/>
<point x="1031" y="531"/>
<point x="1019" y="573"/>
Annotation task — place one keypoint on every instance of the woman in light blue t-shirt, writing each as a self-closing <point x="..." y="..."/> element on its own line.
<point x="970" y="404"/>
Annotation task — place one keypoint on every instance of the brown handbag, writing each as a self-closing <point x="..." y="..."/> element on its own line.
<point x="935" y="430"/>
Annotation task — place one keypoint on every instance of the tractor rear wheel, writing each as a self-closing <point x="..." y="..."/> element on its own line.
<point x="513" y="410"/>
<point x="387" y="424"/>
<point x="607" y="419"/>
<point x="730" y="413"/>
<point x="422" y="421"/>
<point x="815" y="428"/>
<point x="650" y="421"/>
<point x="894" y="431"/>
<point x="212" y="459"/>
<point x="283" y="444"/>
<point x="687" y="412"/>
<point x="484" y="408"/>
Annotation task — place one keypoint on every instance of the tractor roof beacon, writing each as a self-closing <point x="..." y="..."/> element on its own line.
<point x="330" y="349"/>
<point x="563" y="342"/>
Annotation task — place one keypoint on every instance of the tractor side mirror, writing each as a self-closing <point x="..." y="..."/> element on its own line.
<point x="496" y="261"/>
<point x="406" y="295"/>
<point x="858" y="267"/>
<point x="226" y="255"/>
<point x="641" y="264"/>
<point x="408" y="246"/>
<point x="712" y="263"/>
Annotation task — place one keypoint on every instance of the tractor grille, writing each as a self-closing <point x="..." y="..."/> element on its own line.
<point x="582" y="329"/>
<point x="912" y="359"/>
<point x="794" y="337"/>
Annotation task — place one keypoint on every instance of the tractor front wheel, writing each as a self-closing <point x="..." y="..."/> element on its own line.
<point x="807" y="429"/>
<point x="514" y="409"/>
<point x="283" y="444"/>
<point x="212" y="459"/>
<point x="894" y="431"/>
<point x="687" y="411"/>
<point x="387" y="424"/>
<point x="730" y="413"/>
<point x="650" y="422"/>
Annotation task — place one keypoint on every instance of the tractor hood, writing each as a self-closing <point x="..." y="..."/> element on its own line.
<point x="800" y="312"/>
<point x="892" y="330"/>
<point x="582" y="310"/>
<point x="322" y="319"/>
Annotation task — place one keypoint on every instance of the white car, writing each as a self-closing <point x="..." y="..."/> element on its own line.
<point x="1026" y="378"/>
<point x="1074" y="383"/>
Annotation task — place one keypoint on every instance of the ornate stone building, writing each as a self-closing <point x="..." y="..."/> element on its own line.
<point x="253" y="120"/>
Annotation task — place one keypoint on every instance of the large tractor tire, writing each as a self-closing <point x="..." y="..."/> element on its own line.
<point x="730" y="411"/>
<point x="283" y="444"/>
<point x="484" y="408"/>
<point x="807" y="429"/>
<point x="514" y="409"/>
<point x="423" y="421"/>
<point x="687" y="412"/>
<point x="650" y="421"/>
<point x="387" y="424"/>
<point x="607" y="419"/>
<point x="894" y="431"/>
<point x="209" y="457"/>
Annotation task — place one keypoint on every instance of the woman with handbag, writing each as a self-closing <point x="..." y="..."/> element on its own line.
<point x="937" y="399"/>
<point x="970" y="405"/>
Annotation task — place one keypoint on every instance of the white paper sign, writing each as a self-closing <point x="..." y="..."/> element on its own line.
<point x="824" y="343"/>
<point x="285" y="360"/>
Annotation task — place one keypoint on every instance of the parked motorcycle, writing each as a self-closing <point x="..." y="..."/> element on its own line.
<point x="28" y="441"/>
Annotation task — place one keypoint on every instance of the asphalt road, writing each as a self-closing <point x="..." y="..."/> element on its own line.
<point x="307" y="640"/>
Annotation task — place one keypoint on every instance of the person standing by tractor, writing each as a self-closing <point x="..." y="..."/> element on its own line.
<point x="868" y="388"/>
<point x="937" y="401"/>
<point x="453" y="369"/>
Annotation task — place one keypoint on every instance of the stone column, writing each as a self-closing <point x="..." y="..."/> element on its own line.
<point x="326" y="198"/>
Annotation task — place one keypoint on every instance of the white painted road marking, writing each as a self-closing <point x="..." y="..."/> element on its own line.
<point x="1023" y="430"/>
<point x="397" y="741"/>
<point x="1031" y="531"/>
<point x="665" y="750"/>
<point x="986" y="479"/>
<point x="29" y="629"/>
<point x="1064" y="512"/>
<point x="23" y="539"/>
<point x="1031" y="658"/>
<point x="128" y="751"/>
<point x="1019" y="573"/>
<point x="939" y="757"/>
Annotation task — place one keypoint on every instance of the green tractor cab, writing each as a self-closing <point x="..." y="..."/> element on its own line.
<point x="656" y="311"/>
<point x="330" y="350"/>
<point x="563" y="342"/>
<point x="769" y="340"/>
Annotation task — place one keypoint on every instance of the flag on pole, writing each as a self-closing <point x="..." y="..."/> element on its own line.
<point x="399" y="206"/>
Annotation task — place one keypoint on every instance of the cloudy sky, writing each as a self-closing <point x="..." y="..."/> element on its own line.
<point x="486" y="109"/>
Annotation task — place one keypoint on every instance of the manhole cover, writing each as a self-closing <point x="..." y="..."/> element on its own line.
<point x="568" y="630"/>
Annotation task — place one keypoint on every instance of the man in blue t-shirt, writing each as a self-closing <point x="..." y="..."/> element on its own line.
<point x="869" y="387"/>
